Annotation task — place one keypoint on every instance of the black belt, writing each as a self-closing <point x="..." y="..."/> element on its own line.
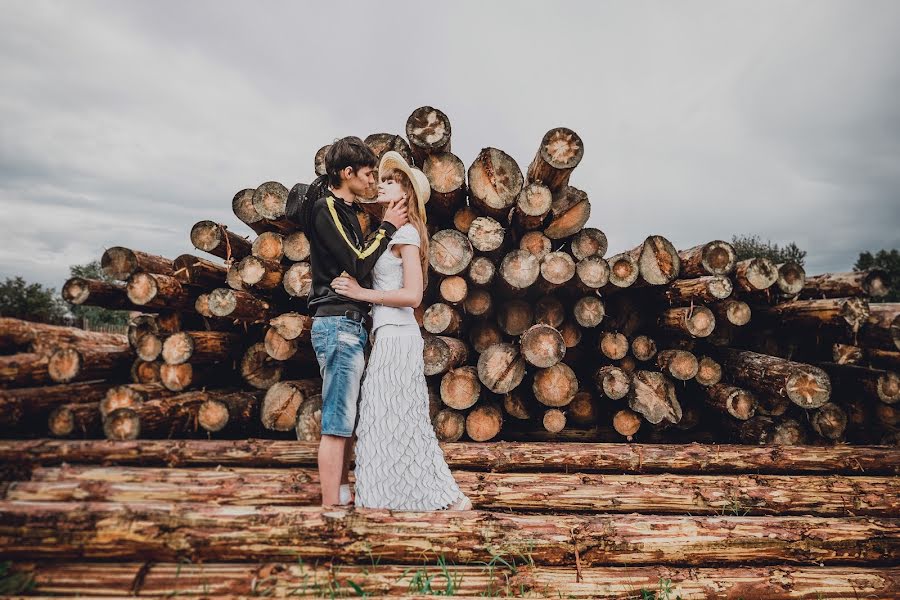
<point x="355" y="315"/>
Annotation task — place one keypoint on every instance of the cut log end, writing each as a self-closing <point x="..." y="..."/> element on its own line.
<point x="554" y="420"/>
<point x="589" y="311"/>
<point x="626" y="422"/>
<point x="555" y="386"/>
<point x="460" y="388"/>
<point x="484" y="422"/>
<point x="449" y="425"/>
<point x="809" y="388"/>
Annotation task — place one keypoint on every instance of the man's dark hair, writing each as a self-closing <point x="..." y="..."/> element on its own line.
<point x="347" y="152"/>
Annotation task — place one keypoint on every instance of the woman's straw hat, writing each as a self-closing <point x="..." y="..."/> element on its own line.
<point x="394" y="160"/>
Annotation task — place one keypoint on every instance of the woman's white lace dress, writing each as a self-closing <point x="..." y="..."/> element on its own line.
<point x="399" y="464"/>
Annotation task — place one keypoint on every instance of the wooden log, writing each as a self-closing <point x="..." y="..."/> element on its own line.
<point x="119" y="580"/>
<point x="657" y="260"/>
<point x="148" y="347"/>
<point x="885" y="359"/>
<point x="519" y="270"/>
<point x="589" y="311"/>
<point x="536" y="243"/>
<point x="261" y="274"/>
<point x="882" y="329"/>
<point x="791" y="278"/>
<point x="501" y="367"/>
<point x="243" y="209"/>
<point x="460" y="388"/>
<point x="623" y="272"/>
<point x="20" y="407"/>
<point x="612" y="345"/>
<point x="483" y="423"/>
<point x="478" y="303"/>
<point x="555" y="386"/>
<point x="75" y="419"/>
<point x="428" y="132"/>
<point x="216" y="239"/>
<point x="495" y="181"/>
<point x="153" y="291"/>
<point x="449" y="425"/>
<point x="292" y="326"/>
<point x="17" y="335"/>
<point x="131" y="396"/>
<point x="297" y="281"/>
<point x="804" y="385"/>
<point x="588" y="242"/>
<point x="845" y="354"/>
<point x="829" y="421"/>
<point x="874" y="384"/>
<point x="592" y="273"/>
<point x="733" y="401"/>
<point x="709" y="371"/>
<point x="532" y="207"/>
<point x="453" y="290"/>
<point x="446" y="174"/>
<point x="515" y="317"/>
<point x="296" y="246"/>
<point x="481" y="271"/>
<point x="559" y="153"/>
<point x="874" y="283"/>
<point x="258" y="369"/>
<point x="549" y="310"/>
<point x="569" y="212"/>
<point x="441" y="319"/>
<point x="542" y="346"/>
<point x="517" y="404"/>
<point x="486" y="235"/>
<point x="198" y="271"/>
<point x="443" y="353"/>
<point x="238" y="305"/>
<point x="755" y="274"/>
<point x="233" y="278"/>
<point x="556" y="269"/>
<point x="309" y="420"/>
<point x="653" y="396"/>
<point x="713" y="258"/>
<point x="485" y="334"/>
<point x="694" y="321"/>
<point x="379" y="143"/>
<point x="583" y="409"/>
<point x="643" y="347"/>
<point x="180" y="377"/>
<point x="269" y="245"/>
<point x="626" y="422"/>
<point x="613" y="381"/>
<point x="449" y="252"/>
<point x="121" y="263"/>
<point x="680" y="364"/>
<point x="701" y="290"/>
<point x="841" y="314"/>
<point x="270" y="200"/>
<point x="201" y="347"/>
<point x="735" y="312"/>
<point x="163" y="416"/>
<point x="143" y="371"/>
<point x="571" y="334"/>
<point x="278" y="347"/>
<point x="554" y="420"/>
<point x="462" y="219"/>
<point x="85" y="363"/>
<point x="283" y="400"/>
<point x="234" y="410"/>
<point x="82" y="291"/>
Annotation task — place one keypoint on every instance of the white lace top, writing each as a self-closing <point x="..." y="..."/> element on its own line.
<point x="387" y="274"/>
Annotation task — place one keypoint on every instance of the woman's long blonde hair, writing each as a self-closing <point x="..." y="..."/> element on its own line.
<point x="416" y="218"/>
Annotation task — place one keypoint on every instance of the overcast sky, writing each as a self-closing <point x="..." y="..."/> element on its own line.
<point x="123" y="123"/>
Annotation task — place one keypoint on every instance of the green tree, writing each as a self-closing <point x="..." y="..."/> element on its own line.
<point x="886" y="260"/>
<point x="95" y="314"/>
<point x="752" y="246"/>
<point x="32" y="302"/>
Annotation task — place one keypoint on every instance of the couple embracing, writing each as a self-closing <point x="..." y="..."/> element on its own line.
<point x="399" y="464"/>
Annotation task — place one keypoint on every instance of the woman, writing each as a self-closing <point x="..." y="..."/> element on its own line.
<point x="399" y="464"/>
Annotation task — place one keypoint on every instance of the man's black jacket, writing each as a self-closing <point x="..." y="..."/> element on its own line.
<point x="336" y="245"/>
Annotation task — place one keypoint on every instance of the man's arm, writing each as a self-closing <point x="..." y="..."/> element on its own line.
<point x="339" y="242"/>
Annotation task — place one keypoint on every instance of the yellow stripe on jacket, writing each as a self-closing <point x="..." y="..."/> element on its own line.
<point x="337" y="222"/>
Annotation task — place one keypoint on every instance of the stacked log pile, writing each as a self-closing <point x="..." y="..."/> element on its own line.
<point x="533" y="329"/>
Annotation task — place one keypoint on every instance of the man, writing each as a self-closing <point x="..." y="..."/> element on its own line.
<point x="339" y="324"/>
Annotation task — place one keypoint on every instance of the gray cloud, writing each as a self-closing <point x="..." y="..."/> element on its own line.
<point x="126" y="122"/>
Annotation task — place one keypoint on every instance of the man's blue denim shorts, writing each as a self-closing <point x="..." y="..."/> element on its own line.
<point x="339" y="343"/>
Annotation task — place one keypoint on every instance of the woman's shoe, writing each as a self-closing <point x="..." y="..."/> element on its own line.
<point x="462" y="504"/>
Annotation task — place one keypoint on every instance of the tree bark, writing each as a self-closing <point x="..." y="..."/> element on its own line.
<point x="121" y="263"/>
<point x="201" y="347"/>
<point x="258" y="369"/>
<point x="234" y="410"/>
<point x="532" y="207"/>
<point x="882" y="329"/>
<point x="701" y="290"/>
<point x="20" y="407"/>
<point x="41" y="338"/>
<point x="152" y="291"/>
<point x="238" y="305"/>
<point x="261" y="274"/>
<point x="216" y="239"/>
<point x="840" y="314"/>
<point x="874" y="283"/>
<point x="875" y="384"/>
<point x="198" y="271"/>
<point x="89" y="362"/>
<point x="81" y="291"/>
<point x="804" y="385"/>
